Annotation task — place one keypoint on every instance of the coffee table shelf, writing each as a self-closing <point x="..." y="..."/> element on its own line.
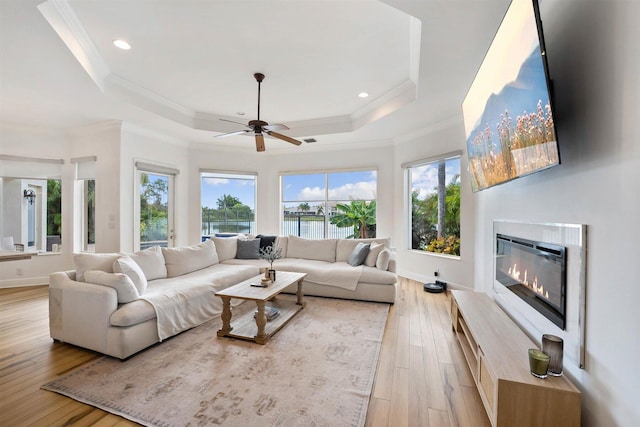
<point x="258" y="329"/>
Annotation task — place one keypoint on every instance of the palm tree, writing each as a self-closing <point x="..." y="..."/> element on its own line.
<point x="358" y="214"/>
<point x="303" y="207"/>
<point x="441" y="198"/>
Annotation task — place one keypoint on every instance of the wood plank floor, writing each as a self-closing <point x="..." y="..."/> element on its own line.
<point x="421" y="380"/>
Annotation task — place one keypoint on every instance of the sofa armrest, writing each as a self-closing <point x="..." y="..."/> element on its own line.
<point x="392" y="264"/>
<point x="79" y="312"/>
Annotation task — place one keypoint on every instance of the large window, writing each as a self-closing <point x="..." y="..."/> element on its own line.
<point x="228" y="203"/>
<point x="434" y="197"/>
<point x="85" y="204"/>
<point x="329" y="205"/>
<point x="31" y="203"/>
<point x="155" y="207"/>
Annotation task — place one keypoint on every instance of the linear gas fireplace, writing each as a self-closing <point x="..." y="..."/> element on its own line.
<point x="535" y="272"/>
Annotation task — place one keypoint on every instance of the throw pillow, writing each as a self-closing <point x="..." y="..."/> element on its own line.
<point x="372" y="256"/>
<point x="266" y="241"/>
<point x="151" y="262"/>
<point x="186" y="259"/>
<point x="124" y="287"/>
<point x="358" y="255"/>
<point x="129" y="267"/>
<point x="88" y="261"/>
<point x="382" y="263"/>
<point x="248" y="249"/>
<point x="226" y="247"/>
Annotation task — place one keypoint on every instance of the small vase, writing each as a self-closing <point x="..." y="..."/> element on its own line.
<point x="272" y="275"/>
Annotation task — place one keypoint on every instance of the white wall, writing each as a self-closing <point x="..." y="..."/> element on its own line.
<point x="41" y="143"/>
<point x="144" y="146"/>
<point x="102" y="140"/>
<point x="594" y="58"/>
<point x="269" y="164"/>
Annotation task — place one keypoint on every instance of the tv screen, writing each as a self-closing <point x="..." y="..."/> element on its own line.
<point x="507" y="112"/>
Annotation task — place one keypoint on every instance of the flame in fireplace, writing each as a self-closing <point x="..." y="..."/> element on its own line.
<point x="539" y="289"/>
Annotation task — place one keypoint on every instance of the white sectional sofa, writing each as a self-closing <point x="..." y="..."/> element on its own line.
<point x="119" y="304"/>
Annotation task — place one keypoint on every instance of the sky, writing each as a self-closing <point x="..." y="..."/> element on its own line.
<point x="214" y="188"/>
<point x="310" y="188"/>
<point x="342" y="186"/>
<point x="512" y="45"/>
<point x="425" y="178"/>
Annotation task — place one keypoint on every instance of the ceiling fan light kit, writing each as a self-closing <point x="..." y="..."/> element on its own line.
<point x="258" y="127"/>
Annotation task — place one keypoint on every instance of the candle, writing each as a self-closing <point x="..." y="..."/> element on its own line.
<point x="552" y="345"/>
<point x="538" y="362"/>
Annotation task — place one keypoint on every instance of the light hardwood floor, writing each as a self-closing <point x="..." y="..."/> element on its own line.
<point x="421" y="380"/>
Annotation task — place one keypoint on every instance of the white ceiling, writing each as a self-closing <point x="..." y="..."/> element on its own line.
<point x="192" y="63"/>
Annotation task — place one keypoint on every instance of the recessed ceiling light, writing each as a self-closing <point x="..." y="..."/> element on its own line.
<point x="122" y="44"/>
<point x="363" y="94"/>
<point x="240" y="113"/>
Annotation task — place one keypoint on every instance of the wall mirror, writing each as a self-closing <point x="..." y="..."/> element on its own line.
<point x="30" y="204"/>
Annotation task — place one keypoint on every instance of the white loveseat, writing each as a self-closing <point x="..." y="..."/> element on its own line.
<point x="137" y="300"/>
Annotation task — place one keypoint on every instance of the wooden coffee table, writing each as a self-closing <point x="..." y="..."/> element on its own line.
<point x="259" y="329"/>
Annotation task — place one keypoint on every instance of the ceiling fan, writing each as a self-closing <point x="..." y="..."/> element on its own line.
<point x="258" y="127"/>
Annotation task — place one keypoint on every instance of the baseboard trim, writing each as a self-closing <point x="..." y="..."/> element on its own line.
<point x="27" y="281"/>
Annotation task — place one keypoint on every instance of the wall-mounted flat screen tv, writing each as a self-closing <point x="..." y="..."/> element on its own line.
<point x="507" y="112"/>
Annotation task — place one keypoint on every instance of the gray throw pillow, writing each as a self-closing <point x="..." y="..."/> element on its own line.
<point x="358" y="255"/>
<point x="248" y="249"/>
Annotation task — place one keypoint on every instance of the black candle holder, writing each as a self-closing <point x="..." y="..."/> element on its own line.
<point x="553" y="346"/>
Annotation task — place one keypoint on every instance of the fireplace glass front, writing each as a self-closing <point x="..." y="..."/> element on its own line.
<point x="535" y="272"/>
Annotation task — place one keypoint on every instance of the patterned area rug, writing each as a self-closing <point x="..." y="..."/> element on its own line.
<point x="317" y="370"/>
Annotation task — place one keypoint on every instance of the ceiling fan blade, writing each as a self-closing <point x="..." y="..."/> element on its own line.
<point x="284" y="137"/>
<point x="238" y="132"/>
<point x="231" y="121"/>
<point x="275" y="127"/>
<point x="259" y="142"/>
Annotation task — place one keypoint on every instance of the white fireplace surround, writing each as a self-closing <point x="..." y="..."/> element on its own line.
<point x="572" y="237"/>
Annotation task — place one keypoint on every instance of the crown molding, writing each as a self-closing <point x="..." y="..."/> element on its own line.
<point x="66" y="24"/>
<point x="448" y="123"/>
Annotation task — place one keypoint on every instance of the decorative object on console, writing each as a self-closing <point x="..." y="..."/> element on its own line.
<point x="553" y="346"/>
<point x="538" y="363"/>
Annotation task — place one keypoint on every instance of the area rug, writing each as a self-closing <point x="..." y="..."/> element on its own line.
<point x="317" y="370"/>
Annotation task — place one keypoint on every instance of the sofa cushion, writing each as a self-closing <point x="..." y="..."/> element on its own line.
<point x="123" y="285"/>
<point x="126" y="265"/>
<point x="372" y="256"/>
<point x="358" y="255"/>
<point x="135" y="312"/>
<point x="186" y="259"/>
<point x="382" y="263"/>
<point x="226" y="247"/>
<point x="248" y="249"/>
<point x="151" y="262"/>
<point x="377" y="277"/>
<point x="89" y="261"/>
<point x="345" y="247"/>
<point x="321" y="250"/>
<point x="282" y="242"/>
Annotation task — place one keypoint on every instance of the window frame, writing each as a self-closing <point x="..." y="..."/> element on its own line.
<point x="216" y="173"/>
<point x="408" y="189"/>
<point x="158" y="170"/>
<point x="325" y="202"/>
